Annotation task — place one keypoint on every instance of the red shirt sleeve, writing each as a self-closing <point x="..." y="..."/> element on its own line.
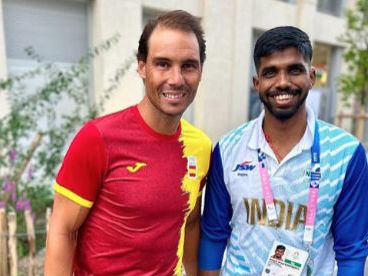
<point x="83" y="168"/>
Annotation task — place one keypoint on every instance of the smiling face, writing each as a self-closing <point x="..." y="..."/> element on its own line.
<point x="171" y="72"/>
<point x="283" y="81"/>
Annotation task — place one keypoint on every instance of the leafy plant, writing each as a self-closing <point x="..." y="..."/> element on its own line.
<point x="355" y="81"/>
<point x="34" y="134"/>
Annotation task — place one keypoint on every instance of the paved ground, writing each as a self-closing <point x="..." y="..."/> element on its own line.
<point x="23" y="265"/>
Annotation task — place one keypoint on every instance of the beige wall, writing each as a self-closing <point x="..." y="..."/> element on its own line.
<point x="4" y="105"/>
<point x="108" y="18"/>
<point x="223" y="101"/>
<point x="328" y="29"/>
<point x="223" y="95"/>
<point x="193" y="6"/>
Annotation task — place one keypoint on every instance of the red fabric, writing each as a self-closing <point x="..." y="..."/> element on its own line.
<point x="84" y="164"/>
<point x="134" y="225"/>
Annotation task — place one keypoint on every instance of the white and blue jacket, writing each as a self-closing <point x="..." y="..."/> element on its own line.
<point x="235" y="217"/>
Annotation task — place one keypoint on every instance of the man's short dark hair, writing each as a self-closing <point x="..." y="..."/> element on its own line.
<point x="280" y="246"/>
<point x="280" y="38"/>
<point x="176" y="20"/>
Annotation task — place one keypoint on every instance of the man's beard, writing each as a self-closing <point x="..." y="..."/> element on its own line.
<point x="286" y="114"/>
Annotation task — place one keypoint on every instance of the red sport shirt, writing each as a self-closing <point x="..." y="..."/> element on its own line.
<point x="141" y="187"/>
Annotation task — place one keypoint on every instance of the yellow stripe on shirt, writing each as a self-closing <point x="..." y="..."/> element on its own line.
<point x="198" y="146"/>
<point x="72" y="196"/>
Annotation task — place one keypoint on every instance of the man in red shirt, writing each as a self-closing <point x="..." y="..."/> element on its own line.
<point x="128" y="193"/>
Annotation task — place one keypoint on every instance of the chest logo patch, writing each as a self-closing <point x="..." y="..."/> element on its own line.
<point x="137" y="166"/>
<point x="192" y="167"/>
<point x="245" y="166"/>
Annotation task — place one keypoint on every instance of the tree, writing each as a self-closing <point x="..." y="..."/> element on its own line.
<point x="355" y="81"/>
<point x="34" y="134"/>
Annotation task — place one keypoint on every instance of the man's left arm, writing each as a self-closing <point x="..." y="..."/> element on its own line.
<point x="191" y="242"/>
<point x="350" y="221"/>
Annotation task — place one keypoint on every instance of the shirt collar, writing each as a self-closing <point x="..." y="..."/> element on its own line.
<point x="257" y="139"/>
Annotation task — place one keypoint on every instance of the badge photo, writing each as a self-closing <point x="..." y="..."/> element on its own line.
<point x="284" y="259"/>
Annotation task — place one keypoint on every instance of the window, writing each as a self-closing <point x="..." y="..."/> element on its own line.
<point x="321" y="62"/>
<point x="57" y="30"/>
<point x="288" y="1"/>
<point x="255" y="105"/>
<point x="149" y="14"/>
<point x="332" y="7"/>
<point x="326" y="61"/>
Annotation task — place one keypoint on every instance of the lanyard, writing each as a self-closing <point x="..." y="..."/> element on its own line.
<point x="315" y="176"/>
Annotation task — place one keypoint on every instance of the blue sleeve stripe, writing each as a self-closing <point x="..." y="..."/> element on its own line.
<point x="350" y="220"/>
<point x="238" y="265"/>
<point x="217" y="213"/>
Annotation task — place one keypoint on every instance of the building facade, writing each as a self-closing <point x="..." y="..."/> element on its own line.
<point x="63" y="30"/>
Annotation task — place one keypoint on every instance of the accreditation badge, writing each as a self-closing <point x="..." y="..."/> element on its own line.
<point x="285" y="260"/>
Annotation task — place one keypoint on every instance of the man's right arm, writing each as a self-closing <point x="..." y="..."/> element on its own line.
<point x="66" y="218"/>
<point x="215" y="228"/>
<point x="77" y="186"/>
<point x="350" y="220"/>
